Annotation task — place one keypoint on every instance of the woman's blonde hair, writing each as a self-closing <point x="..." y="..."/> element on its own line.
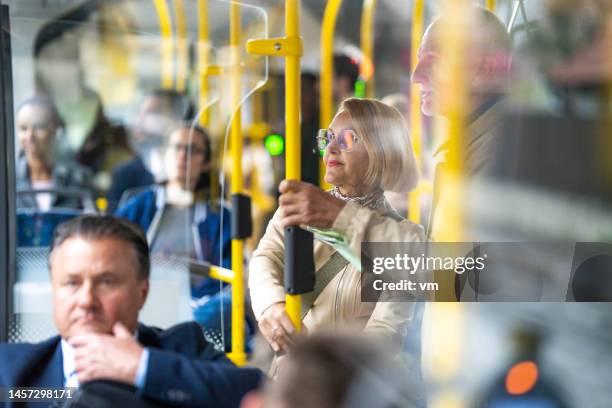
<point x="382" y="129"/>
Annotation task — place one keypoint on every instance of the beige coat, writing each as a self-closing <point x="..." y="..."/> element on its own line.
<point x="480" y="144"/>
<point x="340" y="302"/>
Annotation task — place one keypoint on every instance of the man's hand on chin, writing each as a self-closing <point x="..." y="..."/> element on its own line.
<point x="109" y="357"/>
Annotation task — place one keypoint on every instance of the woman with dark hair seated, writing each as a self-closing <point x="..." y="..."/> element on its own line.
<point x="163" y="210"/>
<point x="179" y="219"/>
<point x="38" y="123"/>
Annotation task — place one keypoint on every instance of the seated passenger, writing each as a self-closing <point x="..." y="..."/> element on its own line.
<point x="37" y="125"/>
<point x="100" y="281"/>
<point x="162" y="209"/>
<point x="160" y="113"/>
<point x="179" y="220"/>
<point x="367" y="151"/>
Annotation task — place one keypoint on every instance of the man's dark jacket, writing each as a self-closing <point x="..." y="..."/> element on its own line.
<point x="184" y="369"/>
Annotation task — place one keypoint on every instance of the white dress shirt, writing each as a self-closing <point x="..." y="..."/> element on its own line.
<point x="70" y="374"/>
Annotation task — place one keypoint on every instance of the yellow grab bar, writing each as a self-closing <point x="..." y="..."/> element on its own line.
<point x="454" y="104"/>
<point x="328" y="28"/>
<point x="182" y="46"/>
<point x="491" y="5"/>
<point x="165" y="28"/>
<point x="237" y="355"/>
<point x="203" y="65"/>
<point x="416" y="120"/>
<point x="292" y="123"/>
<point x="448" y="222"/>
<point x="222" y="274"/>
<point x="367" y="45"/>
<point x="289" y="47"/>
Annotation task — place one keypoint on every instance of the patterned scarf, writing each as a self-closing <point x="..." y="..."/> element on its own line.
<point x="373" y="200"/>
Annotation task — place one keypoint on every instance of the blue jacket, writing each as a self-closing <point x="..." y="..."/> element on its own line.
<point x="146" y="209"/>
<point x="181" y="362"/>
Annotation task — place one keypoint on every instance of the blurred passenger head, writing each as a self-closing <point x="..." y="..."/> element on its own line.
<point x="368" y="148"/>
<point x="99" y="274"/>
<point x="400" y="102"/>
<point x="339" y="370"/>
<point x="309" y="97"/>
<point x="160" y="112"/>
<point x="489" y="59"/>
<point x="346" y="73"/>
<point x="188" y="156"/>
<point x="57" y="62"/>
<point x="37" y="124"/>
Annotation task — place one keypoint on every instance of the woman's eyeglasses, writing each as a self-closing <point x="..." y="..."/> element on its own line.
<point x="346" y="139"/>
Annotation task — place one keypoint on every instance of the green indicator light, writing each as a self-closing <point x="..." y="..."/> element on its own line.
<point x="360" y="88"/>
<point x="275" y="144"/>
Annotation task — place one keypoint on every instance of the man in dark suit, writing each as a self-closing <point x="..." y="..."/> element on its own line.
<point x="99" y="275"/>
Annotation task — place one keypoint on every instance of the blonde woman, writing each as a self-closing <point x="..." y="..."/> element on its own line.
<point x="367" y="151"/>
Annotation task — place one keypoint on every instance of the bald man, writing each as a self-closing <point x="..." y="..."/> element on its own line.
<point x="488" y="62"/>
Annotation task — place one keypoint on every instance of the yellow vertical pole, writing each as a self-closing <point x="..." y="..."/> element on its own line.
<point x="238" y="354"/>
<point x="203" y="50"/>
<point x="367" y="44"/>
<point x="416" y="119"/>
<point x="291" y="48"/>
<point x="292" y="123"/>
<point x="165" y="28"/>
<point x="204" y="69"/>
<point x="454" y="104"/>
<point x="326" y="105"/>
<point x="491" y="5"/>
<point x="182" y="49"/>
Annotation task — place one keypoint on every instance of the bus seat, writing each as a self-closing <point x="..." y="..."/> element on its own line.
<point x="72" y="198"/>
<point x="35" y="228"/>
<point x="32" y="320"/>
<point x="168" y="302"/>
<point x="128" y="194"/>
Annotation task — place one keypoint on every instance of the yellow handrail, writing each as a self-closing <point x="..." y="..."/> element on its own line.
<point x="165" y="28"/>
<point x="328" y="27"/>
<point x="222" y="274"/>
<point x="491" y="5"/>
<point x="454" y="104"/>
<point x="237" y="355"/>
<point x="290" y="47"/>
<point x="182" y="49"/>
<point x="203" y="50"/>
<point x="448" y="222"/>
<point x="292" y="124"/>
<point x="367" y="44"/>
<point x="416" y="120"/>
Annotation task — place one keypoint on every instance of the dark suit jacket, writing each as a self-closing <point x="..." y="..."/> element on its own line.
<point x="184" y="370"/>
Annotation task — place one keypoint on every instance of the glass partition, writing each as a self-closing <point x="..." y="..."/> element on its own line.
<point x="123" y="108"/>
